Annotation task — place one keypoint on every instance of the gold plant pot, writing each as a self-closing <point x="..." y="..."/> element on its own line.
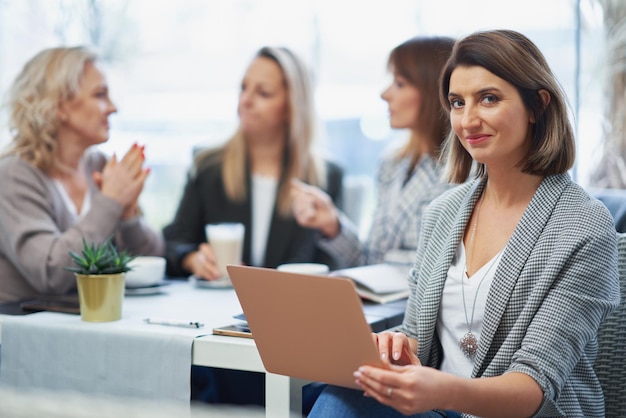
<point x="100" y="296"/>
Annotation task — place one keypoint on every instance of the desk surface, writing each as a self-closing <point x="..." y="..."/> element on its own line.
<point x="212" y="307"/>
<point x="181" y="300"/>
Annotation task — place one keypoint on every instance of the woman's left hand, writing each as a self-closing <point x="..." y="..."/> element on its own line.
<point x="396" y="347"/>
<point x="408" y="389"/>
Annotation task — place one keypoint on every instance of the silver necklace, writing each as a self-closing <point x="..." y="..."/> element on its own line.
<point x="469" y="343"/>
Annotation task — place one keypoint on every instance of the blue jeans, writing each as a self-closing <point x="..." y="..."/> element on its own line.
<point x="338" y="402"/>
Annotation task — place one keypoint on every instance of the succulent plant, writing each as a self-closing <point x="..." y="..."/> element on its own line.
<point x="100" y="259"/>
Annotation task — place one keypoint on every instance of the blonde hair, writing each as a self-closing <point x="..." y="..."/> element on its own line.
<point x="298" y="159"/>
<point x="517" y="60"/>
<point x="49" y="78"/>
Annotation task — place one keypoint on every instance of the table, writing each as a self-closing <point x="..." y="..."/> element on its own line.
<point x="213" y="307"/>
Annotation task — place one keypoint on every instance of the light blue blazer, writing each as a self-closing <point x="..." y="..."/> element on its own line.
<point x="556" y="281"/>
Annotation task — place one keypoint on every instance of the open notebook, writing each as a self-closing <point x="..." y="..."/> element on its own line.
<point x="380" y="283"/>
<point x="307" y="326"/>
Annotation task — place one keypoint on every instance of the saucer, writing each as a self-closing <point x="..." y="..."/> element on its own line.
<point x="154" y="289"/>
<point x="221" y="283"/>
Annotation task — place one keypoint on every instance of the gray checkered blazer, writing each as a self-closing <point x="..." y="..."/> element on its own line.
<point x="556" y="281"/>
<point x="399" y="209"/>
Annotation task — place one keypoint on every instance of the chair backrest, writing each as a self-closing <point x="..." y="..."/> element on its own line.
<point x="615" y="201"/>
<point x="611" y="362"/>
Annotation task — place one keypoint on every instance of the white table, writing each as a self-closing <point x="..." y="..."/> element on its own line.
<point x="213" y="307"/>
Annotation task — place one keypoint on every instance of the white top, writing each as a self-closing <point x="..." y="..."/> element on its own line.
<point x="69" y="203"/>
<point x="263" y="198"/>
<point x="452" y="326"/>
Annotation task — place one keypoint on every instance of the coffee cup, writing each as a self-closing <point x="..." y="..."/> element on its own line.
<point x="145" y="271"/>
<point x="226" y="239"/>
<point x="304" y="268"/>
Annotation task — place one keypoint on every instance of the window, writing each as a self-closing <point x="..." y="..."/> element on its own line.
<point x="174" y="68"/>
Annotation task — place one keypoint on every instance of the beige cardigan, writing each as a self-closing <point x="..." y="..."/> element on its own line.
<point x="37" y="231"/>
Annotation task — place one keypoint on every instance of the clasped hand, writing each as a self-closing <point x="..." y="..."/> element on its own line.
<point x="123" y="180"/>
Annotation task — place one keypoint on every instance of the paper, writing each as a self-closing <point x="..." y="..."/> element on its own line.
<point x="380" y="283"/>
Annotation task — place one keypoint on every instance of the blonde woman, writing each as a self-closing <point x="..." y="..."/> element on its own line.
<point x="247" y="179"/>
<point x="55" y="192"/>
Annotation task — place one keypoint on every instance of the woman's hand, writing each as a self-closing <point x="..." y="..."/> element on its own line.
<point x="394" y="385"/>
<point x="123" y="180"/>
<point x="312" y="208"/>
<point x="202" y="263"/>
<point x="409" y="389"/>
<point x="396" y="348"/>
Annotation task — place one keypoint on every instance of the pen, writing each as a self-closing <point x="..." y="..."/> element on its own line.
<point x="174" y="323"/>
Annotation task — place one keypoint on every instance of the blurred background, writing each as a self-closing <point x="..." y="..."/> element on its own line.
<point x="174" y="70"/>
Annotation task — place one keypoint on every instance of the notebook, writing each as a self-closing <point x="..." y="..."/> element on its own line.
<point x="306" y="326"/>
<point x="380" y="283"/>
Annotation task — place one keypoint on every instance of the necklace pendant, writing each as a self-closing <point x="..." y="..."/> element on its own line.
<point x="469" y="345"/>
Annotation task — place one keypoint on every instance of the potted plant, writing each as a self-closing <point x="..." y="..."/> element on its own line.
<point x="100" y="274"/>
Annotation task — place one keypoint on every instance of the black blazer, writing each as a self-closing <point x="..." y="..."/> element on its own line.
<point x="204" y="201"/>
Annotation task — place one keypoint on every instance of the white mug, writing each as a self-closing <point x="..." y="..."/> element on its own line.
<point x="226" y="239"/>
<point x="304" y="268"/>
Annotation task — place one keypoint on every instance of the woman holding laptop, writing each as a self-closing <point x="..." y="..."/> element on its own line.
<point x="515" y="270"/>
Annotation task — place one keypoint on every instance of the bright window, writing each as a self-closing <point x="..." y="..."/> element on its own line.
<point x="174" y="67"/>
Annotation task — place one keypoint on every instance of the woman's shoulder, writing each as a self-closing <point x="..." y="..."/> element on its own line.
<point x="567" y="212"/>
<point x="393" y="160"/>
<point x="15" y="166"/>
<point x="568" y="194"/>
<point x="575" y="201"/>
<point x="19" y="174"/>
<point x="207" y="162"/>
<point x="392" y="153"/>
<point x="8" y="162"/>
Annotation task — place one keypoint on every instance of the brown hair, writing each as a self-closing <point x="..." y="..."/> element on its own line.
<point x="517" y="60"/>
<point x="420" y="61"/>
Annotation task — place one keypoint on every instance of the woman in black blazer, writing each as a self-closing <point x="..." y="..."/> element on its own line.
<point x="247" y="179"/>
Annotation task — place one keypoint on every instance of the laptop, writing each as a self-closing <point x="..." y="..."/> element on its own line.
<point x="306" y="326"/>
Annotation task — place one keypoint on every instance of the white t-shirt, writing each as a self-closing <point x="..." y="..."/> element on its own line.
<point x="452" y="321"/>
<point x="263" y="197"/>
